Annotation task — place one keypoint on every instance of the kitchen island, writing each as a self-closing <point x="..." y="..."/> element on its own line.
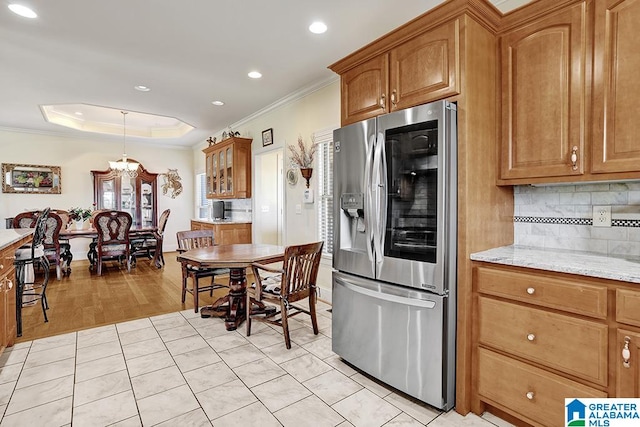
<point x="10" y="240"/>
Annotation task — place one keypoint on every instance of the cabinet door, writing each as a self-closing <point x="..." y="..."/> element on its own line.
<point x="208" y="160"/>
<point x="11" y="328"/>
<point x="106" y="194"/>
<point x="616" y="86"/>
<point x="128" y="197"/>
<point x="365" y="89"/>
<point x="627" y="374"/>
<point x="222" y="166"/>
<point x="425" y="68"/>
<point x="543" y="97"/>
<point x="230" y="170"/>
<point x="215" y="182"/>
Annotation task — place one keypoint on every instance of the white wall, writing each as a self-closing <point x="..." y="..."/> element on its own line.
<point x="77" y="157"/>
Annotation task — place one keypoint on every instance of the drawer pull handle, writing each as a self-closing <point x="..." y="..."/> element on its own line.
<point x="393" y="97"/>
<point x="531" y="291"/>
<point x="383" y="101"/>
<point x="530" y="395"/>
<point x="626" y="353"/>
<point x="9" y="284"/>
<point x="531" y="337"/>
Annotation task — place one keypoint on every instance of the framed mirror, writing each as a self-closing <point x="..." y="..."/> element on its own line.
<point x="30" y="179"/>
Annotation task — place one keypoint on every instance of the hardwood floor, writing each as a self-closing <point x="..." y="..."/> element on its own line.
<point x="84" y="300"/>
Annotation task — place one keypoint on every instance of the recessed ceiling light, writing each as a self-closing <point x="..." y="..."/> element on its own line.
<point x="142" y="88"/>
<point x="254" y="75"/>
<point x="217" y="102"/>
<point x="318" y="27"/>
<point x="23" y="11"/>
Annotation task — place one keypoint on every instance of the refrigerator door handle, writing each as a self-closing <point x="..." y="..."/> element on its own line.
<point x="368" y="205"/>
<point x="381" y="295"/>
<point x="380" y="193"/>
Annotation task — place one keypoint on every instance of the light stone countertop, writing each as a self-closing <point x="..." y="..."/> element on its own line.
<point x="564" y="261"/>
<point x="216" y="221"/>
<point x="12" y="235"/>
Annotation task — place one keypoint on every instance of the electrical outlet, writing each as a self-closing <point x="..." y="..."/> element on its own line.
<point x="602" y="216"/>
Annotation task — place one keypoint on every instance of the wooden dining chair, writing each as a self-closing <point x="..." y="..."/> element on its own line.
<point x="297" y="282"/>
<point x="148" y="244"/>
<point x="113" y="238"/>
<point x="65" y="246"/>
<point x="51" y="242"/>
<point x="193" y="239"/>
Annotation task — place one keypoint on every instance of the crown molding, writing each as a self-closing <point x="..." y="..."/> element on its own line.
<point x="292" y="97"/>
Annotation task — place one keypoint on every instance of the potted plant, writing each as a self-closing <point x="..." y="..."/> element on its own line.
<point x="79" y="216"/>
<point x="303" y="157"/>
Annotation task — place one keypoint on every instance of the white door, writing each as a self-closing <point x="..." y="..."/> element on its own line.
<point x="268" y="198"/>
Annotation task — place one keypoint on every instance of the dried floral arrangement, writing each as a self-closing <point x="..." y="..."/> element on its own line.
<point x="301" y="155"/>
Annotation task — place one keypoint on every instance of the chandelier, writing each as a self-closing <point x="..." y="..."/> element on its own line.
<point x="124" y="167"/>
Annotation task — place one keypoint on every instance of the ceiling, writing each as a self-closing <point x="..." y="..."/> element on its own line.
<point x="189" y="52"/>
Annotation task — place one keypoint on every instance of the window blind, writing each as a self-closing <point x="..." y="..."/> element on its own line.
<point x="324" y="139"/>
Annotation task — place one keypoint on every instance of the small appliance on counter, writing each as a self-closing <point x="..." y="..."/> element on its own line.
<point x="217" y="210"/>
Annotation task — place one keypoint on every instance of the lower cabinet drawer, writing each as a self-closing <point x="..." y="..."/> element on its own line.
<point x="566" y="343"/>
<point x="526" y="390"/>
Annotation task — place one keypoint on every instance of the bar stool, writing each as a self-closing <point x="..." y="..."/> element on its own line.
<point x="27" y="257"/>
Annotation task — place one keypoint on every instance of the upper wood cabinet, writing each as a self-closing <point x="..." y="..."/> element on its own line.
<point x="569" y="88"/>
<point x="616" y="87"/>
<point x="228" y="169"/>
<point x="543" y="96"/>
<point x="422" y="69"/>
<point x="137" y="196"/>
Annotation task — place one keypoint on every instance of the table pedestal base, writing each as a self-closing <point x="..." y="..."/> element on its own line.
<point x="233" y="304"/>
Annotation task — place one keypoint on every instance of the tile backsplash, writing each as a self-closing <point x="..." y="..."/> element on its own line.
<point x="561" y="217"/>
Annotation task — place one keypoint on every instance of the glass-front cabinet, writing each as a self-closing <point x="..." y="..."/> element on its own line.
<point x="138" y="196"/>
<point x="228" y="168"/>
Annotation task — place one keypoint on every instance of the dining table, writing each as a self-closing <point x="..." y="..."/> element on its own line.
<point x="136" y="232"/>
<point x="237" y="258"/>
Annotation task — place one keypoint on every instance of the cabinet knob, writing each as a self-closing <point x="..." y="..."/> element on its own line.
<point x="531" y="337"/>
<point x="383" y="99"/>
<point x="626" y="353"/>
<point x="531" y="291"/>
<point x="9" y="284"/>
<point x="393" y="97"/>
<point x="530" y="395"/>
<point x="574" y="157"/>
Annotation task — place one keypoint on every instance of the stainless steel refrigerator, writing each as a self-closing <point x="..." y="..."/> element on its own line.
<point x="394" y="259"/>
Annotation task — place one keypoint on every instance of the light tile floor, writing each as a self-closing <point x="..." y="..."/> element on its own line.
<point x="181" y="370"/>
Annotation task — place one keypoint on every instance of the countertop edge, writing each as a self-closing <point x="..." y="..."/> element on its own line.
<point x="211" y="221"/>
<point x="564" y="261"/>
<point x="12" y="235"/>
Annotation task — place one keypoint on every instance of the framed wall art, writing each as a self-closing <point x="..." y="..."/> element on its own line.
<point x="31" y="179"/>
<point x="267" y="137"/>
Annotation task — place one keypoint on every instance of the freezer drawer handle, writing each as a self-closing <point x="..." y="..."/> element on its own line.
<point x="387" y="297"/>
